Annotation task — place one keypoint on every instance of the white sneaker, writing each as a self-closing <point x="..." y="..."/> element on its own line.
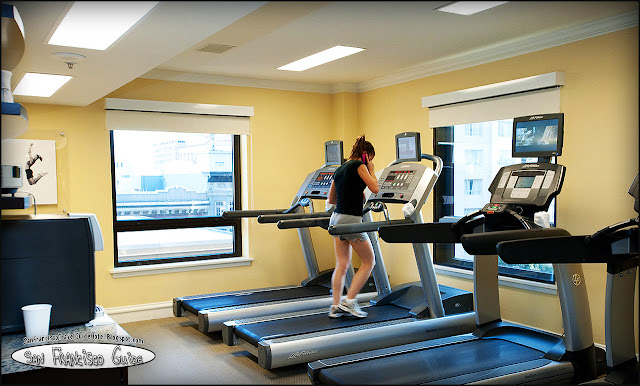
<point x="335" y="311"/>
<point x="351" y="306"/>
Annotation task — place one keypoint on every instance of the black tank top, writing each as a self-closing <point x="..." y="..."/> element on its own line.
<point x="349" y="187"/>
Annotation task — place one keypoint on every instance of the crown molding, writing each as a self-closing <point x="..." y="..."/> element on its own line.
<point x="345" y="87"/>
<point x="179" y="76"/>
<point x="504" y="50"/>
<point x="487" y="54"/>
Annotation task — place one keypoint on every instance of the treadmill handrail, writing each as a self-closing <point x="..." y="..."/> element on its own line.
<point x="341" y="229"/>
<point x="437" y="160"/>
<point x="485" y="243"/>
<point x="322" y="222"/>
<point x="232" y="214"/>
<point x="274" y="218"/>
<point x="559" y="250"/>
<point x="435" y="232"/>
<point x="602" y="235"/>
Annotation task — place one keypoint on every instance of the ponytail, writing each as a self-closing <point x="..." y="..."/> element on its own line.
<point x="360" y="147"/>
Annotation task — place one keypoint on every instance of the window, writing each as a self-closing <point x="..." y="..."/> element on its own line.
<point x="504" y="128"/>
<point x="463" y="190"/>
<point x="470" y="210"/>
<point x="473" y="130"/>
<point x="472" y="186"/>
<point x="169" y="192"/>
<point x="504" y="158"/>
<point x="472" y="157"/>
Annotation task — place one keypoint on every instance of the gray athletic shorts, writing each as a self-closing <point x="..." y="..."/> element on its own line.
<point x="339" y="218"/>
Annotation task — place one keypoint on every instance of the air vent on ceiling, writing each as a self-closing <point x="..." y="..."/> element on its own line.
<point x="216" y="48"/>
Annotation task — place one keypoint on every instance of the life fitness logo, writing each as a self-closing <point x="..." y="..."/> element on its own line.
<point x="576" y="279"/>
<point x="83" y="355"/>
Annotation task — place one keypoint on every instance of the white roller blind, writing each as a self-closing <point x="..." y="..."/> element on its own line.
<point x="528" y="96"/>
<point x="133" y="114"/>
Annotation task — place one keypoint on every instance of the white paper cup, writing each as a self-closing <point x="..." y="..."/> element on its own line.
<point x="36" y="319"/>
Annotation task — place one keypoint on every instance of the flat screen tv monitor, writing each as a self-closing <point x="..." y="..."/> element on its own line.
<point x="538" y="135"/>
<point x="333" y="153"/>
<point x="408" y="147"/>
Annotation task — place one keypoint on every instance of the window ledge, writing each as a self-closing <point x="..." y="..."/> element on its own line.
<point x="528" y="285"/>
<point x="155" y="269"/>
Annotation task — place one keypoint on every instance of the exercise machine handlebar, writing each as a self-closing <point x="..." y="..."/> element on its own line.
<point x="322" y="222"/>
<point x="233" y="214"/>
<point x="342" y="229"/>
<point x="485" y="243"/>
<point x="274" y="218"/>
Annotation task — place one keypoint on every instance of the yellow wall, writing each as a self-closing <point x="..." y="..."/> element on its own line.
<point x="600" y="102"/>
<point x="288" y="131"/>
<point x="345" y="119"/>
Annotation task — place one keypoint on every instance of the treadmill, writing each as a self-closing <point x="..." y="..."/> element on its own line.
<point x="496" y="352"/>
<point x="617" y="247"/>
<point x="407" y="313"/>
<point x="209" y="311"/>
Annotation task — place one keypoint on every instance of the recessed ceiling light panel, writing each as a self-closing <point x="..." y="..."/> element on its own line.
<point x="40" y="85"/>
<point x="98" y="24"/>
<point x="321" y="57"/>
<point x="469" y="7"/>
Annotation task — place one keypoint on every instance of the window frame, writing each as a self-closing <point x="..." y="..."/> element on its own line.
<point x="443" y="253"/>
<point x="173" y="223"/>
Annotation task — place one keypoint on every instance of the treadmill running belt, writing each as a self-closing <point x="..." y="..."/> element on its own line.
<point x="430" y="365"/>
<point x="271" y="329"/>
<point x="249" y="297"/>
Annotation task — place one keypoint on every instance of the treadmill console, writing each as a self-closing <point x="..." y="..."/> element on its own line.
<point x="318" y="183"/>
<point x="402" y="183"/>
<point x="531" y="184"/>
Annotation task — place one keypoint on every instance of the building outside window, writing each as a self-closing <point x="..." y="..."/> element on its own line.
<point x="472" y="157"/>
<point x="170" y="190"/>
<point x="504" y="128"/>
<point x="470" y="210"/>
<point x="472" y="129"/>
<point x="462" y="187"/>
<point x="472" y="186"/>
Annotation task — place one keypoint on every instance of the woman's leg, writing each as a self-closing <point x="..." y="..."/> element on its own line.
<point x="365" y="252"/>
<point x="343" y="259"/>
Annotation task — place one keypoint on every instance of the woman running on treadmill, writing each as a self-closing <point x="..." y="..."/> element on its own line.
<point x="347" y="193"/>
<point x="29" y="173"/>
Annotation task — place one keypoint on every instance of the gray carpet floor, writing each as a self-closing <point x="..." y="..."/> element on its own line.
<point x="186" y="356"/>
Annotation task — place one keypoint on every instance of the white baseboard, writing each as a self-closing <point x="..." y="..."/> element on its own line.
<point x="140" y="312"/>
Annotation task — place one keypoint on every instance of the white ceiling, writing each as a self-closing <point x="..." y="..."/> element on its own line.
<point x="403" y="41"/>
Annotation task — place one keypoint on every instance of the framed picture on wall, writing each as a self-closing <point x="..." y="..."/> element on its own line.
<point x="37" y="158"/>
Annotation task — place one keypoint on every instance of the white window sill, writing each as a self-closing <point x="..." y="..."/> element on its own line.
<point x="155" y="269"/>
<point x="528" y="285"/>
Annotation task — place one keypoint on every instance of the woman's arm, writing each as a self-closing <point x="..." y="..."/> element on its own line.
<point x="369" y="177"/>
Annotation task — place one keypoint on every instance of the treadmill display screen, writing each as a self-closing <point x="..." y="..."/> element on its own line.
<point x="333" y="154"/>
<point x="524" y="182"/>
<point x="538" y="135"/>
<point x="407" y="148"/>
